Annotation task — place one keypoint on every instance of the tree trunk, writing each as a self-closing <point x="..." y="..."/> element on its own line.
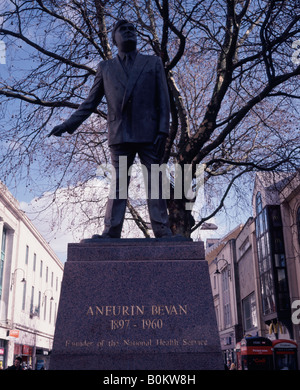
<point x="181" y="220"/>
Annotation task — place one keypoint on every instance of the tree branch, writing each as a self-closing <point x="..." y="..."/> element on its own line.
<point x="33" y="99"/>
<point x="243" y="112"/>
<point x="46" y="52"/>
<point x="221" y="204"/>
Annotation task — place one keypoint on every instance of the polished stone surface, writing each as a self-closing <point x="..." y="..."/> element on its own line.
<point x="138" y="305"/>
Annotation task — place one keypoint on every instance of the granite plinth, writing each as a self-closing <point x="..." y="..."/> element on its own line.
<point x="136" y="305"/>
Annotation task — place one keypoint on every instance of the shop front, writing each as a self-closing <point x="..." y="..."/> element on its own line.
<point x="42" y="359"/>
<point x="3" y="348"/>
<point x="33" y="358"/>
<point x="26" y="353"/>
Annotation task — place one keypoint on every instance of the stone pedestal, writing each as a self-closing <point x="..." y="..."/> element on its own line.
<point x="136" y="304"/>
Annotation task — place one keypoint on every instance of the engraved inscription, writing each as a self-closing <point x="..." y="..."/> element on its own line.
<point x="83" y="344"/>
<point x="116" y="311"/>
<point x="134" y="310"/>
<point x="124" y="312"/>
<point x="122" y="320"/>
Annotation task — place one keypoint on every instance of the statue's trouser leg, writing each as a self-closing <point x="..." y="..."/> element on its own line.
<point x="122" y="158"/>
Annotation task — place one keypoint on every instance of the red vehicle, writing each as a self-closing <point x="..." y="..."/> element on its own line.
<point x="254" y="353"/>
<point x="260" y="353"/>
<point x="285" y="355"/>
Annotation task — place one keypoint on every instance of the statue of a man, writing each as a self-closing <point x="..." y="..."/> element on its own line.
<point x="137" y="97"/>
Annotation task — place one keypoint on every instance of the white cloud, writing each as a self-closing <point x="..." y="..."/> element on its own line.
<point x="71" y="214"/>
<point x="61" y="218"/>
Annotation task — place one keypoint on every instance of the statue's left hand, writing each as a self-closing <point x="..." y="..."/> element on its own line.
<point x="159" y="144"/>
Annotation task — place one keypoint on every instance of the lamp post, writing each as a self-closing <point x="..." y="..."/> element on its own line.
<point x="14" y="275"/>
<point x="44" y="295"/>
<point x="217" y="271"/>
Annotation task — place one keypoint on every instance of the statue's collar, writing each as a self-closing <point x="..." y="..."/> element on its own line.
<point x="132" y="54"/>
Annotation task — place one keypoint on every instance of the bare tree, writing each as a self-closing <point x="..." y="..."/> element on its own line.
<point x="233" y="86"/>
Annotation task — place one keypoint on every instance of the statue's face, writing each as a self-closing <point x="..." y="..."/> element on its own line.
<point x="125" y="37"/>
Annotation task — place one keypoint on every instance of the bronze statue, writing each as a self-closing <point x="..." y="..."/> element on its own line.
<point x="137" y="97"/>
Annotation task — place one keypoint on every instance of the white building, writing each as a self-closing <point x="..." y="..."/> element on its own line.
<point x="30" y="283"/>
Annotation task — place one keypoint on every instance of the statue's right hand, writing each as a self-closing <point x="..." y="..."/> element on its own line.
<point x="57" y="131"/>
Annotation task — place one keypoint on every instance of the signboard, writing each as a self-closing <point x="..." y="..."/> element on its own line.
<point x="14" y="333"/>
<point x="27" y="350"/>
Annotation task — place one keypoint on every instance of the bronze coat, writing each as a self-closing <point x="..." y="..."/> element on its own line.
<point x="138" y="105"/>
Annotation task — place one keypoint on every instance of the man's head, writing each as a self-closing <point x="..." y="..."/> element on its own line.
<point x="124" y="36"/>
<point x="18" y="361"/>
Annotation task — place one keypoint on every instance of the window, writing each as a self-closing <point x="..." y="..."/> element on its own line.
<point x="50" y="313"/>
<point x="249" y="311"/>
<point x="24" y="296"/>
<point x="34" y="261"/>
<point x="2" y="258"/>
<point x="271" y="260"/>
<point x="41" y="268"/>
<point x="215" y="282"/>
<point x="45" y="307"/>
<point x="39" y="303"/>
<point x="298" y="224"/>
<point x="55" y="313"/>
<point x="26" y="254"/>
<point x="258" y="203"/>
<point x="32" y="300"/>
<point x="279" y="260"/>
<point x="264" y="258"/>
<point x="226" y="297"/>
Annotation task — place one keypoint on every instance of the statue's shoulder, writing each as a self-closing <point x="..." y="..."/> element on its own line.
<point x="151" y="57"/>
<point x="153" y="60"/>
<point x="106" y="63"/>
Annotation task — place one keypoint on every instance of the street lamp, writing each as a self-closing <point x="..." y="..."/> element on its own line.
<point x="208" y="226"/>
<point x="44" y="295"/>
<point x="217" y="271"/>
<point x="13" y="277"/>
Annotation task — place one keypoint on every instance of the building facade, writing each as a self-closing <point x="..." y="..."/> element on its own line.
<point x="246" y="281"/>
<point x="270" y="255"/>
<point x="262" y="263"/>
<point x="222" y="270"/>
<point x="30" y="283"/>
<point x="290" y="212"/>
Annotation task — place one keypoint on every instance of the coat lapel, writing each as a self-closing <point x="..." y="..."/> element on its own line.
<point x="137" y="69"/>
<point x="119" y="72"/>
